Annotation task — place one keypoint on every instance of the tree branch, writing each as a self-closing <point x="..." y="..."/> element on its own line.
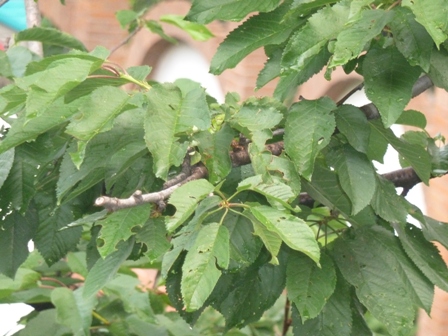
<point x="33" y="19"/>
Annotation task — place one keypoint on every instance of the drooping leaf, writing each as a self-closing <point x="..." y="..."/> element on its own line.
<point x="438" y="69"/>
<point x="308" y="286"/>
<point x="431" y="17"/>
<point x="412" y="118"/>
<point x="356" y="175"/>
<point x="156" y="28"/>
<point x="172" y="112"/>
<point x="352" y="122"/>
<point x="435" y="231"/>
<point x="362" y="255"/>
<point x="233" y="10"/>
<point x="50" y="36"/>
<point x="105" y="269"/>
<point x="119" y="225"/>
<point x="73" y="310"/>
<point x="203" y="264"/>
<point x="364" y="27"/>
<point x="411" y="38"/>
<point x="185" y="199"/>
<point x="197" y="31"/>
<point x="334" y="319"/>
<point x="424" y="254"/>
<point x="416" y="156"/>
<point x="308" y="42"/>
<point x="153" y="234"/>
<point x="292" y="230"/>
<point x="387" y="203"/>
<point x="308" y="129"/>
<point x="257" y="31"/>
<point x="17" y="232"/>
<point x="285" y="167"/>
<point x="388" y="80"/>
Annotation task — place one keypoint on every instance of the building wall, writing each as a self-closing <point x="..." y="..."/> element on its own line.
<point x="94" y="23"/>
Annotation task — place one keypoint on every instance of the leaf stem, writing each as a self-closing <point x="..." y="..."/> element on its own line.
<point x="101" y="318"/>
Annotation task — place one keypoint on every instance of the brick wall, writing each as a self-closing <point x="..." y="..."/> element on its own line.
<point x="94" y="23"/>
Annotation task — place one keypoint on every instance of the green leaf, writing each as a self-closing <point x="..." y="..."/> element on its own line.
<point x="185" y="200"/>
<point x="125" y="17"/>
<point x="77" y="263"/>
<point x="270" y="239"/>
<point x="285" y="167"/>
<point x="214" y="149"/>
<point x="417" y="156"/>
<point x="172" y="112"/>
<point x="356" y="175"/>
<point x="197" y="31"/>
<point x="156" y="28"/>
<point x="23" y="130"/>
<point x="244" y="248"/>
<point x="88" y="219"/>
<point x="17" y="232"/>
<point x="45" y="323"/>
<point x="142" y="328"/>
<point x="105" y="269"/>
<point x="6" y="161"/>
<point x="389" y="79"/>
<point x="49" y="36"/>
<point x="203" y="264"/>
<point x="308" y="129"/>
<point x="257" y="31"/>
<point x="90" y="120"/>
<point x="308" y="286"/>
<point x="154" y="236"/>
<point x="386" y="281"/>
<point x="438" y="70"/>
<point x="11" y="96"/>
<point x="377" y="144"/>
<point x="119" y="226"/>
<point x="412" y="118"/>
<point x="140" y="72"/>
<point x="387" y="203"/>
<point x="435" y="231"/>
<point x="243" y="297"/>
<point x="231" y="10"/>
<point x="424" y="255"/>
<point x="352" y="40"/>
<point x="411" y="38"/>
<point x="334" y="319"/>
<point x="352" y="122"/>
<point x="292" y="230"/>
<point x="5" y="66"/>
<point x="19" y="57"/>
<point x="73" y="310"/>
<point x="308" y="42"/>
<point x="430" y="15"/>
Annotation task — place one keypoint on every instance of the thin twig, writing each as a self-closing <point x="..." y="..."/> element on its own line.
<point x="126" y="40"/>
<point x="286" y="319"/>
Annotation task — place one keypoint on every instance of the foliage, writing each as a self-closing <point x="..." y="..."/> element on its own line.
<point x="231" y="203"/>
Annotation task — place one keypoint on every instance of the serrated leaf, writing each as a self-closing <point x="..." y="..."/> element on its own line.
<point x="352" y="40"/>
<point x="271" y="67"/>
<point x="292" y="230"/>
<point x="244" y="248"/>
<point x="49" y="36"/>
<point x="154" y="236"/>
<point x="352" y="122"/>
<point x="438" y="70"/>
<point x="435" y="231"/>
<point x="119" y="225"/>
<point x="203" y="263"/>
<point x="105" y="269"/>
<point x="430" y="15"/>
<point x="412" y="118"/>
<point x="214" y="149"/>
<point x="334" y="319"/>
<point x="411" y="38"/>
<point x="377" y="144"/>
<point x="308" y="286"/>
<point x="286" y="169"/>
<point x="424" y="255"/>
<point x="416" y="156"/>
<point x="389" y="79"/>
<point x="356" y="175"/>
<point x="6" y="161"/>
<point x="11" y="96"/>
<point x="23" y="130"/>
<point x="371" y="259"/>
<point x="73" y="310"/>
<point x="387" y="203"/>
<point x="17" y="230"/>
<point x="233" y="10"/>
<point x="197" y="31"/>
<point x="257" y="31"/>
<point x="307" y="42"/>
<point x="156" y="28"/>
<point x="270" y="239"/>
<point x="171" y="113"/>
<point x="308" y="129"/>
<point x="185" y="199"/>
